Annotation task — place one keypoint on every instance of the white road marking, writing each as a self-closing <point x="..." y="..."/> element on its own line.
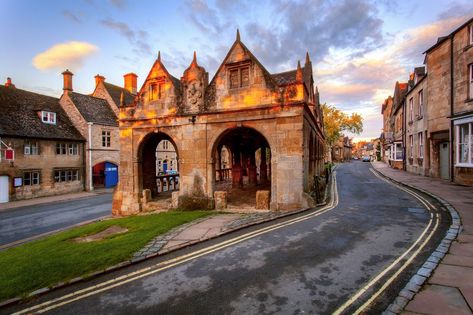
<point x="110" y="284"/>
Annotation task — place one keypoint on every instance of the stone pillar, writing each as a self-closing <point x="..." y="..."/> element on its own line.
<point x="236" y="169"/>
<point x="252" y="170"/>
<point x="218" y="166"/>
<point x="263" y="169"/>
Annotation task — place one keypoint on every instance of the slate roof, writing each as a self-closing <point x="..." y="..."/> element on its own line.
<point x="289" y="77"/>
<point x="94" y="109"/>
<point x="20" y="112"/>
<point x="115" y="93"/>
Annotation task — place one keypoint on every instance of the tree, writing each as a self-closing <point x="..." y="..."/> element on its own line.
<point x="336" y="122"/>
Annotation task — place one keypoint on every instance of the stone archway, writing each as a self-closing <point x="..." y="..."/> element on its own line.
<point x="152" y="173"/>
<point x="249" y="165"/>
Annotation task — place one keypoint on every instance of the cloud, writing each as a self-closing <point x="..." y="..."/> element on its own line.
<point x="66" y="55"/>
<point x="137" y="38"/>
<point x="118" y="3"/>
<point x="71" y="16"/>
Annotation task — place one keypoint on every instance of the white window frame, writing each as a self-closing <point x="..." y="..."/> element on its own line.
<point x="421" y="103"/>
<point x="395" y="151"/>
<point x="48" y="117"/>
<point x="411" y="109"/>
<point x="420" y="138"/>
<point x="106" y="138"/>
<point x="460" y="122"/>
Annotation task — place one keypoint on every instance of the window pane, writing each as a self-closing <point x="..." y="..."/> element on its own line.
<point x="234" y="79"/>
<point x="245" y="77"/>
<point x="35" y="178"/>
<point x="63" y="176"/>
<point x="57" y="177"/>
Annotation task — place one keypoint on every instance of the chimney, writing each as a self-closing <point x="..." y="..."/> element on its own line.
<point x="67" y="75"/>
<point x="98" y="79"/>
<point x="9" y="84"/>
<point x="130" y="82"/>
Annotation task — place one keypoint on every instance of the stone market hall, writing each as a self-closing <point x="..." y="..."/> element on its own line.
<point x="247" y="132"/>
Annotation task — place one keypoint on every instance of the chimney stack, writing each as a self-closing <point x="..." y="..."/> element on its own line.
<point x="99" y="78"/>
<point x="130" y="82"/>
<point x="9" y="84"/>
<point x="67" y="75"/>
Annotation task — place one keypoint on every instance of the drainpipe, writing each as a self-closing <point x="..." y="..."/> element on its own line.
<point x="91" y="182"/>
<point x="452" y="144"/>
<point x="404" y="124"/>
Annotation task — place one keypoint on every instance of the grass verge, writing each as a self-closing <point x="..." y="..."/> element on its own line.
<point x="58" y="258"/>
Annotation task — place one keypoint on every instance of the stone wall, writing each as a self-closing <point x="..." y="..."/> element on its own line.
<point x="45" y="162"/>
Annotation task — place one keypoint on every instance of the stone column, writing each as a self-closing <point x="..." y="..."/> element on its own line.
<point x="236" y="169"/>
<point x="252" y="170"/>
<point x="263" y="169"/>
<point x="218" y="165"/>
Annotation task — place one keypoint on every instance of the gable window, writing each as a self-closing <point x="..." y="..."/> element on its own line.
<point x="471" y="80"/>
<point x="31" y="178"/>
<point x="106" y="138"/>
<point x="48" y="117"/>
<point x="421" y="103"/>
<point x="464" y="142"/>
<point x="155" y="91"/>
<point x="411" y="108"/>
<point x="239" y="77"/>
<point x="31" y="148"/>
<point x="421" y="144"/>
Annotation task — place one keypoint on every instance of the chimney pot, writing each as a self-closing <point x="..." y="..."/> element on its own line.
<point x="130" y="82"/>
<point x="67" y="76"/>
<point x="9" y="84"/>
<point x="99" y="78"/>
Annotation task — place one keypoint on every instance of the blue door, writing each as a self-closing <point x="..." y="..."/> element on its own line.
<point x="111" y="175"/>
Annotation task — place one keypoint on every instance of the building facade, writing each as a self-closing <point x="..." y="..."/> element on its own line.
<point x="417" y="149"/>
<point x="397" y="122"/>
<point x="244" y="109"/>
<point x="48" y="150"/>
<point x="96" y="119"/>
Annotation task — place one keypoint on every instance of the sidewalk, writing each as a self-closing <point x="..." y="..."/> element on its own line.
<point x="450" y="289"/>
<point x="42" y="200"/>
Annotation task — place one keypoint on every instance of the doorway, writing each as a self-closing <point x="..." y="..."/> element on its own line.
<point x="444" y="156"/>
<point x="4" y="189"/>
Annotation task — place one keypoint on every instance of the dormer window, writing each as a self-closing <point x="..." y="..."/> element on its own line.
<point x="48" y="117"/>
<point x="239" y="77"/>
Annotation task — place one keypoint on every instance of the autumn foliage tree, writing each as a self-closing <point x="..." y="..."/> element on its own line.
<point x="336" y="122"/>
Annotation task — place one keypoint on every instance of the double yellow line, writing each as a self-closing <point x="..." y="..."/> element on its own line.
<point x="387" y="269"/>
<point x="112" y="283"/>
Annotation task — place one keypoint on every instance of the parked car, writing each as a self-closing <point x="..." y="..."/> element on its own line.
<point x="366" y="159"/>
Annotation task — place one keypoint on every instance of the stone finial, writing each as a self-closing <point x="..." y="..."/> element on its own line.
<point x="238" y="35"/>
<point x="159" y="55"/>
<point x="299" y="71"/>
<point x="307" y="58"/>
<point x="194" y="60"/>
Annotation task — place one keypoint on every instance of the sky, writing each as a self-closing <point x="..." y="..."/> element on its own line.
<point x="359" y="48"/>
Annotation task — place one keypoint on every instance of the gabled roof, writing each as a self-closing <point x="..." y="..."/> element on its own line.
<point x="266" y="73"/>
<point x="94" y="109"/>
<point x="116" y="91"/>
<point x="175" y="81"/>
<point x="20" y="116"/>
<point x="442" y="39"/>
<point x="289" y="77"/>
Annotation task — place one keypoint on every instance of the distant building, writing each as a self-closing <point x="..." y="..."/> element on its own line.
<point x="396" y="159"/>
<point x="417" y="154"/>
<point x="387" y="134"/>
<point x="48" y="150"/>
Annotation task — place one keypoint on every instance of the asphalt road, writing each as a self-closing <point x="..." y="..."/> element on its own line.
<point x="312" y="263"/>
<point x="26" y="222"/>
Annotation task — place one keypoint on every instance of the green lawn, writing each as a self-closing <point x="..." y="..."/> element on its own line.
<point x="57" y="258"/>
